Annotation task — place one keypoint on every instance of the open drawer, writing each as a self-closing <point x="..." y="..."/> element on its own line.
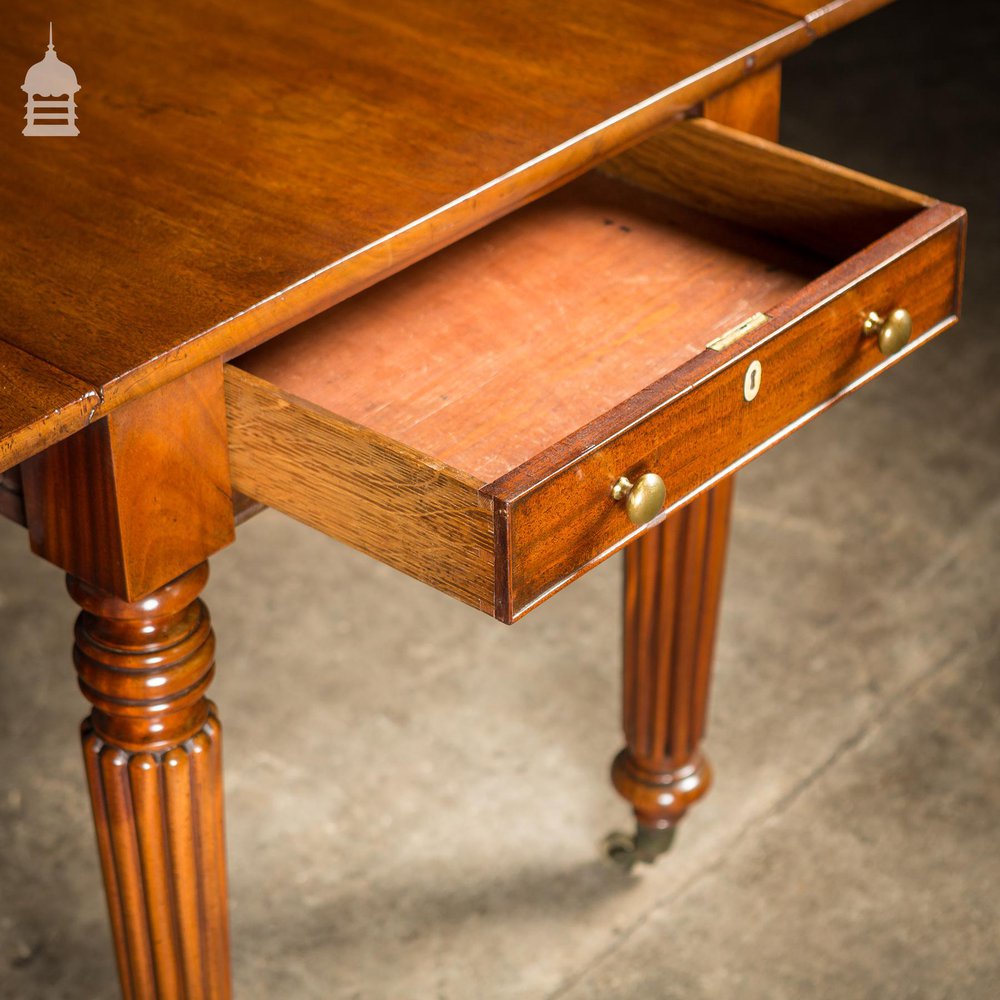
<point x="674" y="313"/>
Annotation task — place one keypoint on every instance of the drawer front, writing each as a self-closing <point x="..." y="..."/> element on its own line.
<point x="811" y="352"/>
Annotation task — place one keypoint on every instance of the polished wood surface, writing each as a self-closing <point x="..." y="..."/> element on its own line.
<point x="152" y="749"/>
<point x="38" y="403"/>
<point x="221" y="193"/>
<point x="673" y="584"/>
<point x="139" y="496"/>
<point x="376" y="494"/>
<point x="753" y="105"/>
<point x="832" y="15"/>
<point x="557" y="515"/>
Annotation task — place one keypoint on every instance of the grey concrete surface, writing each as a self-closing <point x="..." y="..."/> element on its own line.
<point x="415" y="794"/>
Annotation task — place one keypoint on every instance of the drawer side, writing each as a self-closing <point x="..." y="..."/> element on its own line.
<point x="810" y="202"/>
<point x="382" y="498"/>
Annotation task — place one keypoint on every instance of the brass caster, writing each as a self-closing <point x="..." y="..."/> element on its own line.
<point x="644" y="846"/>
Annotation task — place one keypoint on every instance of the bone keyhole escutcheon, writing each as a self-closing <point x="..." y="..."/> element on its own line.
<point x="751" y="381"/>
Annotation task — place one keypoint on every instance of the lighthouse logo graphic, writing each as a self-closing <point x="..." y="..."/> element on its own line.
<point x="51" y="88"/>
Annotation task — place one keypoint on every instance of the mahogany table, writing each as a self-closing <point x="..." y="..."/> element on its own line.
<point x="543" y="279"/>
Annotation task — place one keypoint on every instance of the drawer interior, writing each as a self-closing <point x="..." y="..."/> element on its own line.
<point x="518" y="335"/>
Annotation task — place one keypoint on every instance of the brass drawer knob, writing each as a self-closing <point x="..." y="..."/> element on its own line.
<point x="643" y="499"/>
<point x="893" y="331"/>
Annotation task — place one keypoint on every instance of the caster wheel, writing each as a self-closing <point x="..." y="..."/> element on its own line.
<point x="644" y="846"/>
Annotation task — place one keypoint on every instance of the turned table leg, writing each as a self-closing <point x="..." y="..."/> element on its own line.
<point x="152" y="748"/>
<point x="127" y="506"/>
<point x="673" y="581"/>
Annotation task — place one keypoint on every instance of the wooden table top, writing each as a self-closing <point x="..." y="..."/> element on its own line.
<point x="241" y="167"/>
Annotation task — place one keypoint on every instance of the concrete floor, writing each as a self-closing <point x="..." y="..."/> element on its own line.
<point x="415" y="793"/>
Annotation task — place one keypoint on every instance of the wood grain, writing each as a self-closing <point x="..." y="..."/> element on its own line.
<point x="482" y="356"/>
<point x="501" y="345"/>
<point x="828" y="17"/>
<point x="220" y="193"/>
<point x="556" y="514"/>
<point x="140" y="496"/>
<point x="673" y="584"/>
<point x="152" y="750"/>
<point x="39" y="404"/>
<point x="381" y="497"/>
<point x="808" y="201"/>
<point x="753" y="105"/>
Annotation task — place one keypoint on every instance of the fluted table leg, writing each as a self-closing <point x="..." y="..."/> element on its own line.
<point x="673" y="582"/>
<point x="152" y="748"/>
